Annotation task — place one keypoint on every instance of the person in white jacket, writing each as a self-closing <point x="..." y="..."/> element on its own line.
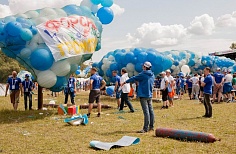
<point x="125" y="89"/>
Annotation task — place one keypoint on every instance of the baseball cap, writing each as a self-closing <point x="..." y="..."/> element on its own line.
<point x="168" y="71"/>
<point x="147" y="64"/>
<point x="229" y="70"/>
<point x="26" y="75"/>
<point x="218" y="69"/>
<point x="163" y="72"/>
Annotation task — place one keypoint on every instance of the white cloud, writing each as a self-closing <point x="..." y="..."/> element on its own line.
<point x="21" y="6"/>
<point x="227" y="20"/>
<point x="157" y="35"/>
<point x="5" y="11"/>
<point x="117" y="9"/>
<point x="202" y="25"/>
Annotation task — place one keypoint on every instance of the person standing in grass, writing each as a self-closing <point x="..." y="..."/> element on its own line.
<point x="218" y="85"/>
<point x="196" y="87"/>
<point x="15" y="89"/>
<point x="189" y="86"/>
<point x="164" y="90"/>
<point x="95" y="91"/>
<point x="182" y="85"/>
<point x="146" y="81"/>
<point x="177" y="82"/>
<point x="172" y="83"/>
<point x="125" y="89"/>
<point x="28" y="88"/>
<point x="207" y="90"/>
<point x="117" y="86"/>
<point x="70" y="89"/>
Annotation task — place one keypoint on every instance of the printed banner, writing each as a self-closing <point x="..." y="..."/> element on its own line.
<point x="69" y="36"/>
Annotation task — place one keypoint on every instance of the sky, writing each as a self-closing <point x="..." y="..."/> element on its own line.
<point x="200" y="26"/>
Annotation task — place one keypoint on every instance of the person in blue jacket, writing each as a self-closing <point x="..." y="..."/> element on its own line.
<point x="146" y="81"/>
<point x="28" y="87"/>
<point x="70" y="89"/>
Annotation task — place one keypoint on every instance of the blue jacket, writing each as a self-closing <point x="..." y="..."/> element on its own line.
<point x="146" y="81"/>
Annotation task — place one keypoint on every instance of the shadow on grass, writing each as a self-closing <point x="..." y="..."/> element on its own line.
<point x="192" y="118"/>
<point x="11" y="116"/>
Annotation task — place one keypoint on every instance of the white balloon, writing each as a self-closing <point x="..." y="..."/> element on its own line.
<point x="60" y="12"/>
<point x="32" y="45"/>
<point x="185" y="69"/>
<point x="46" y="79"/>
<point x="87" y="3"/>
<point x="131" y="73"/>
<point x="32" y="14"/>
<point x="75" y="59"/>
<point x="105" y="60"/>
<point x="130" y="67"/>
<point x="111" y="58"/>
<point x="104" y="68"/>
<point x="173" y="67"/>
<point x="40" y="20"/>
<point x="21" y="15"/>
<point x="136" y="73"/>
<point x="61" y="68"/>
<point x="25" y="53"/>
<point x="46" y="12"/>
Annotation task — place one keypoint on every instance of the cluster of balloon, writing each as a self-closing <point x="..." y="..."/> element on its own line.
<point x="132" y="60"/>
<point x="101" y="8"/>
<point x="52" y="42"/>
<point x="218" y="62"/>
<point x="83" y="73"/>
<point x="184" y="61"/>
<point x="22" y="74"/>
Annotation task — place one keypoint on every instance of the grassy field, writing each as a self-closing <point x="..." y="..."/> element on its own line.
<point x="32" y="132"/>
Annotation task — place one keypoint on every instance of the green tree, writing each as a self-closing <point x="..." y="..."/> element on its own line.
<point x="7" y="65"/>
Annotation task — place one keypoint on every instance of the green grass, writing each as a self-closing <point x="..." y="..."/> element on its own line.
<point x="29" y="132"/>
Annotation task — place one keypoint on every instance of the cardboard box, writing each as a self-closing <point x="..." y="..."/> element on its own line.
<point x="72" y="110"/>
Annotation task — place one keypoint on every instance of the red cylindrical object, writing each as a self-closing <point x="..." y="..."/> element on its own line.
<point x="185" y="135"/>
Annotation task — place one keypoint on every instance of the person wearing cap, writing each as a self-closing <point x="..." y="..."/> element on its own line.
<point x="164" y="90"/>
<point x="207" y="90"/>
<point x="218" y="85"/>
<point x="70" y="89"/>
<point x="116" y="78"/>
<point x="228" y="85"/>
<point x="95" y="91"/>
<point x="15" y="89"/>
<point x="146" y="81"/>
<point x="28" y="88"/>
<point x="172" y="83"/>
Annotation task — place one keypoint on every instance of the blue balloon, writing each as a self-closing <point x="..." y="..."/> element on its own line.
<point x="142" y="57"/>
<point x="107" y="3"/>
<point x="78" y="68"/>
<point x="152" y="57"/>
<point x="13" y="42"/>
<point x="139" y="67"/>
<point x="119" y="57"/>
<point x="96" y="2"/>
<point x="95" y="64"/>
<point x="77" y="72"/>
<point x="25" y="23"/>
<point x="26" y="34"/>
<point x="105" y="15"/>
<point x="129" y="57"/>
<point x="109" y="73"/>
<point x="41" y="59"/>
<point x="60" y="84"/>
<point x="110" y="90"/>
<point x="33" y="30"/>
<point x="13" y="28"/>
<point x="72" y="9"/>
<point x="114" y="67"/>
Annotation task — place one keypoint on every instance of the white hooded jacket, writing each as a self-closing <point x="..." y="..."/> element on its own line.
<point x="126" y="87"/>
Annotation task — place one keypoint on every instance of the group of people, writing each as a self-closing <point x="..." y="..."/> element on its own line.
<point x="205" y="86"/>
<point x="17" y="87"/>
